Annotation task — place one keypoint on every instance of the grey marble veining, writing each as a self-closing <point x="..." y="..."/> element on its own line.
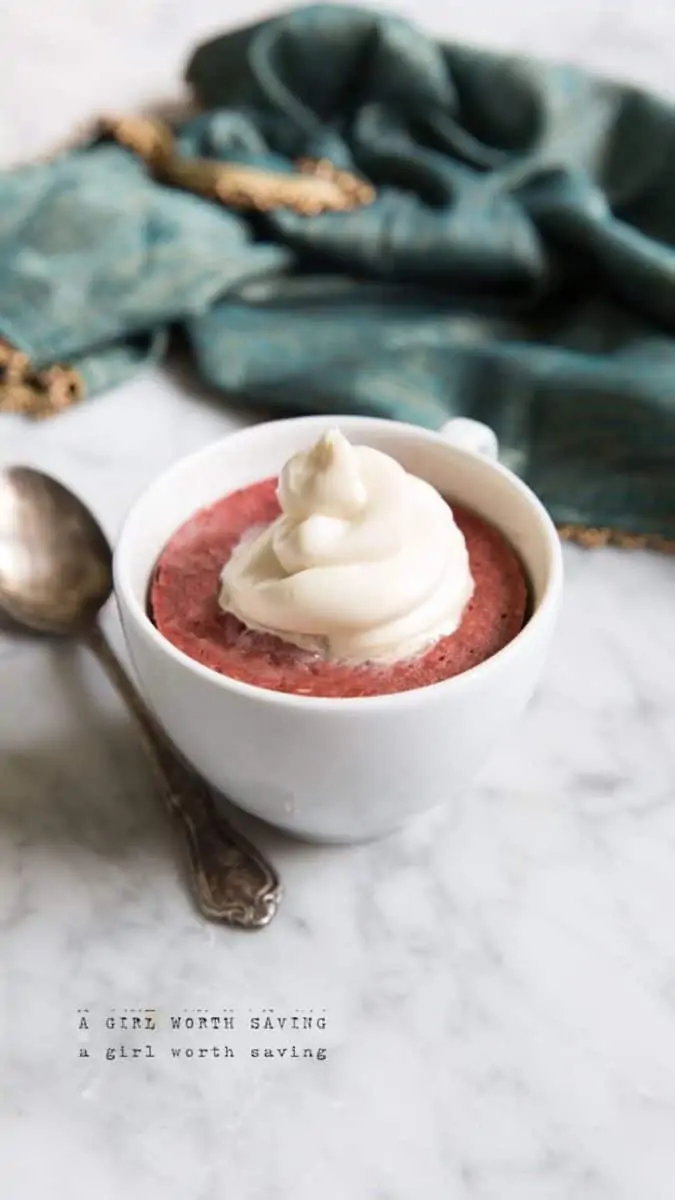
<point x="498" y="982"/>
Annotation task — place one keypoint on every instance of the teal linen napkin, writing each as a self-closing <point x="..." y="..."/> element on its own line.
<point x="517" y="262"/>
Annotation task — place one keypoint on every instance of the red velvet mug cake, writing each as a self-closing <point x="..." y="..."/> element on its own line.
<point x="346" y="576"/>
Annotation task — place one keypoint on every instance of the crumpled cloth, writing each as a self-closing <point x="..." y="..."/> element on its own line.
<point x="516" y="265"/>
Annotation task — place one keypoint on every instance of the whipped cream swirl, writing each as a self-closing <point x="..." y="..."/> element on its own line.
<point x="365" y="562"/>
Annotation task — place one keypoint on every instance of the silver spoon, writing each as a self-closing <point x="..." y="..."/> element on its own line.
<point x="55" y="577"/>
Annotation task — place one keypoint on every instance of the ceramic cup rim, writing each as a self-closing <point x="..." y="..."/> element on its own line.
<point x="476" y="675"/>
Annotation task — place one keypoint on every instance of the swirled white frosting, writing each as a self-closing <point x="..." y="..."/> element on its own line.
<point x="365" y="562"/>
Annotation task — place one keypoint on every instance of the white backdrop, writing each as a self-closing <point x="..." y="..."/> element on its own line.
<point x="500" y="980"/>
<point x="64" y="61"/>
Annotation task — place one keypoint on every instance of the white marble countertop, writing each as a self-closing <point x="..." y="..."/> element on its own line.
<point x="499" y="988"/>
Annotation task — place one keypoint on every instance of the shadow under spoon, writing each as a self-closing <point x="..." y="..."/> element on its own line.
<point x="55" y="577"/>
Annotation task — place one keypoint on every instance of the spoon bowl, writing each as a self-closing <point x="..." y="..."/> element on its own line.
<point x="55" y="560"/>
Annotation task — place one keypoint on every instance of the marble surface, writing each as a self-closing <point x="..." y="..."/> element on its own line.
<point x="498" y="985"/>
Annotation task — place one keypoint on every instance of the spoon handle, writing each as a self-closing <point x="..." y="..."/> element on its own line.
<point x="231" y="879"/>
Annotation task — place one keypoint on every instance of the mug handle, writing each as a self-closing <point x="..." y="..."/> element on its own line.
<point x="471" y="435"/>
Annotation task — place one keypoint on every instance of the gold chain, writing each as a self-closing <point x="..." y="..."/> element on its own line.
<point x="315" y="187"/>
<point x="35" y="393"/>
<point x="592" y="538"/>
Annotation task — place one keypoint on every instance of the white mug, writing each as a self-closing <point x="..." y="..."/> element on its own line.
<point x="339" y="770"/>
